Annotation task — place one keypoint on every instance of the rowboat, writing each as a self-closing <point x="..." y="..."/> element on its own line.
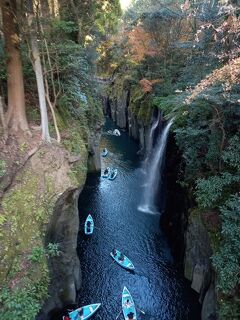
<point x="106" y="172"/>
<point x="116" y="132"/>
<point x="89" y="225"/>
<point x="125" y="263"/>
<point x="128" y="306"/>
<point x="87" y="312"/>
<point x="113" y="174"/>
<point x="104" y="152"/>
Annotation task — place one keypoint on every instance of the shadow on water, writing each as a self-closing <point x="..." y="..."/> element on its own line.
<point x="156" y="286"/>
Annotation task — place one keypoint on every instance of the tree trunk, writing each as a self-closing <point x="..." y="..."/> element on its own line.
<point x="39" y="74"/>
<point x="16" y="118"/>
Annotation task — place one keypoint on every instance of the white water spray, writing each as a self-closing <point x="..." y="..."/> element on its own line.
<point x="150" y="143"/>
<point x="154" y="171"/>
<point x="152" y="131"/>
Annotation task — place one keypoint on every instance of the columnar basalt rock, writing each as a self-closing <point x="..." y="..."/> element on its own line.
<point x="122" y="109"/>
<point x="197" y="267"/>
<point x="118" y="109"/>
<point x="187" y="233"/>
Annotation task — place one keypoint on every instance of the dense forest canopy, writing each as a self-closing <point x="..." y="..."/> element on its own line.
<point x="56" y="40"/>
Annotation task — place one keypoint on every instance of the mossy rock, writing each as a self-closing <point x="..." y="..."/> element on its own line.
<point x="26" y="211"/>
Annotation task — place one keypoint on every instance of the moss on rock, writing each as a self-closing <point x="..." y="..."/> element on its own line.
<point x="25" y="213"/>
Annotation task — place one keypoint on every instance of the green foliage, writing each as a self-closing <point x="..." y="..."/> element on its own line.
<point x="37" y="255"/>
<point x="229" y="308"/>
<point x="2" y="168"/>
<point x="20" y="304"/>
<point x="231" y="156"/>
<point x="63" y="28"/>
<point x="24" y="302"/>
<point x="216" y="189"/>
<point x="53" y="250"/>
<point x="79" y="99"/>
<point x="227" y="260"/>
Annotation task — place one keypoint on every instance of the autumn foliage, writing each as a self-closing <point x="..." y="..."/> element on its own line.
<point x="229" y="74"/>
<point x="147" y="85"/>
<point x="141" y="44"/>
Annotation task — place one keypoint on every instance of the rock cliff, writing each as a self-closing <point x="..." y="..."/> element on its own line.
<point x="188" y="234"/>
<point x="39" y="220"/>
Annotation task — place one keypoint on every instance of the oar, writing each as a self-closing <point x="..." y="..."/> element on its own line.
<point x="112" y="263"/>
<point x="118" y="315"/>
<point x="140" y="310"/>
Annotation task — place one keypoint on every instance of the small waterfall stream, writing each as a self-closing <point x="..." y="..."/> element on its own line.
<point x="153" y="164"/>
<point x="151" y="135"/>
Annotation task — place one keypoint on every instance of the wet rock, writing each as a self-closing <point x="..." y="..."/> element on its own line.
<point x="133" y="128"/>
<point x="209" y="311"/>
<point x="64" y="269"/>
<point x="122" y="109"/>
<point x="94" y="160"/>
<point x="197" y="267"/>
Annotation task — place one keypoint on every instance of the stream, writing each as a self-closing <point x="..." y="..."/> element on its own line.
<point x="156" y="285"/>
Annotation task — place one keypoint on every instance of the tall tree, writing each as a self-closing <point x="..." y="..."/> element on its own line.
<point x="16" y="117"/>
<point x="38" y="71"/>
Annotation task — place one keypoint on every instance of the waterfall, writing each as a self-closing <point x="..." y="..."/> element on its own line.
<point x="149" y="146"/>
<point x="154" y="170"/>
<point x="151" y="134"/>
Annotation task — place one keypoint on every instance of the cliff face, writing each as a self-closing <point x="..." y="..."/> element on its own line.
<point x="64" y="270"/>
<point x="188" y="234"/>
<point x="119" y="109"/>
<point x="94" y="161"/>
<point x="39" y="222"/>
<point x="197" y="266"/>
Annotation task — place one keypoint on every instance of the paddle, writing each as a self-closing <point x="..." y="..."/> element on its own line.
<point x="112" y="263"/>
<point x="118" y="315"/>
<point x="140" y="310"/>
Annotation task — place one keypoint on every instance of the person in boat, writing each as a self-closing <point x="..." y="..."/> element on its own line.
<point x="80" y="313"/>
<point x="114" y="252"/>
<point x="112" y="174"/>
<point x="130" y="316"/>
<point x="116" y="132"/>
<point x="88" y="226"/>
<point x="127" y="304"/>
<point x="106" y="171"/>
<point x="121" y="257"/>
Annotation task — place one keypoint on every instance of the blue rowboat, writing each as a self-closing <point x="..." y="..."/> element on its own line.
<point x="125" y="263"/>
<point x="106" y="172"/>
<point x="89" y="225"/>
<point x="113" y="174"/>
<point x="104" y="152"/>
<point x="128" y="307"/>
<point x="87" y="312"/>
<point x="116" y="132"/>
